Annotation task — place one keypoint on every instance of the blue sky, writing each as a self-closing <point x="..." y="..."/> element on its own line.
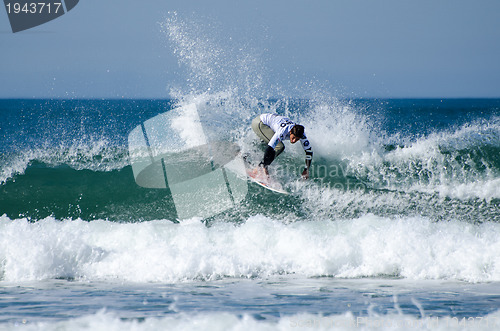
<point x="363" y="48"/>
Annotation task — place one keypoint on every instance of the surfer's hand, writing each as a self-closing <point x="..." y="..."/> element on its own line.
<point x="305" y="174"/>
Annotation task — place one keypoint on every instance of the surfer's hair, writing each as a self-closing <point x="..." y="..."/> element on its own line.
<point x="297" y="130"/>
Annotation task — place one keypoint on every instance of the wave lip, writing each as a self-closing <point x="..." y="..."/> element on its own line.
<point x="95" y="155"/>
<point x="461" y="164"/>
<point x="160" y="251"/>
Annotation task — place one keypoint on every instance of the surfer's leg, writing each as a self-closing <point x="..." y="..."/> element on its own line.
<point x="265" y="133"/>
<point x="261" y="130"/>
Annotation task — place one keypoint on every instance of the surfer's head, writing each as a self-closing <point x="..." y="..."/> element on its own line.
<point x="296" y="133"/>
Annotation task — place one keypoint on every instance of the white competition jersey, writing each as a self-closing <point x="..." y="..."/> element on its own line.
<point x="281" y="127"/>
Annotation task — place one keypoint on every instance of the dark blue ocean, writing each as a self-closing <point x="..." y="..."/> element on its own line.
<point x="397" y="228"/>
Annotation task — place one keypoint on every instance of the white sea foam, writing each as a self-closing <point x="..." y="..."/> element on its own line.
<point x="449" y="163"/>
<point x="160" y="251"/>
<point x="482" y="189"/>
<point x="337" y="130"/>
<point x="109" y="321"/>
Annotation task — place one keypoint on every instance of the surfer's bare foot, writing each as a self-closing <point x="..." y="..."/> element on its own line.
<point x="260" y="173"/>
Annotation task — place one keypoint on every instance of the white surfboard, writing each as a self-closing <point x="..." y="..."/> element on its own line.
<point x="266" y="182"/>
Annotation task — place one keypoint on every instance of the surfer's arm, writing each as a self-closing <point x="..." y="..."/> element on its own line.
<point x="309" y="156"/>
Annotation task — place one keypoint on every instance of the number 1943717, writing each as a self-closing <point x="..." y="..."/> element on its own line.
<point x="33" y="8"/>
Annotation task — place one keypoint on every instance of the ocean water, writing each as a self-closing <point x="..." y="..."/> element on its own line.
<point x="397" y="227"/>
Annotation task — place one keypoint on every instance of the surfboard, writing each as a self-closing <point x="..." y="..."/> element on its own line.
<point x="266" y="182"/>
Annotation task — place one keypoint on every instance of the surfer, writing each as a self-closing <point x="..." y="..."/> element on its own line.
<point x="274" y="130"/>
